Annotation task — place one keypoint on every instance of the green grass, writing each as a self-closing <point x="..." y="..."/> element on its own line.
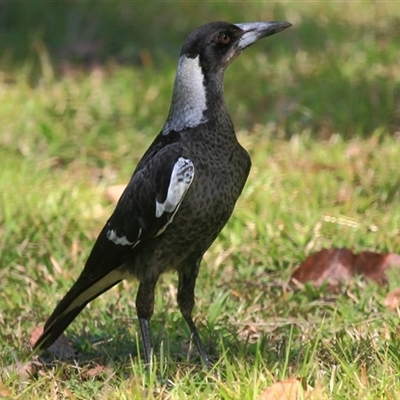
<point x="318" y="109"/>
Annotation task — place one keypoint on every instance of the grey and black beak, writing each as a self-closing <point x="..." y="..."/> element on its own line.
<point x="254" y="31"/>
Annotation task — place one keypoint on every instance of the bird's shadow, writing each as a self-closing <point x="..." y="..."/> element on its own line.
<point x="122" y="351"/>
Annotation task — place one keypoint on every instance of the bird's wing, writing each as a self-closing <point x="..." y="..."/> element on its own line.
<point x="151" y="198"/>
<point x="144" y="211"/>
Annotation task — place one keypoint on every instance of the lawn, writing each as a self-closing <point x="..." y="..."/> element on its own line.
<point x="85" y="87"/>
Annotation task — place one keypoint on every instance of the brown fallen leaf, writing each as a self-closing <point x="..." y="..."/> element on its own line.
<point x="5" y="393"/>
<point x="327" y="265"/>
<point x="289" y="389"/>
<point x="250" y="333"/>
<point x="341" y="265"/>
<point x="364" y="374"/>
<point x="23" y="370"/>
<point x="113" y="193"/>
<point x="60" y="348"/>
<point x="392" y="301"/>
<point x="35" y="335"/>
<point x="374" y="265"/>
<point x="97" y="371"/>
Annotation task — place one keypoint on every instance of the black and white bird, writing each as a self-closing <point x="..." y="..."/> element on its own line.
<point x="182" y="191"/>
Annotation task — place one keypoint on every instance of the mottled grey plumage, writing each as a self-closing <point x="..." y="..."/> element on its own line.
<point x="182" y="192"/>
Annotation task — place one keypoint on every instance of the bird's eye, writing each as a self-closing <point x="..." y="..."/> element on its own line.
<point x="224" y="38"/>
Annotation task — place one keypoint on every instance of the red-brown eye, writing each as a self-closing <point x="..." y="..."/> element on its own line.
<point x="224" y="38"/>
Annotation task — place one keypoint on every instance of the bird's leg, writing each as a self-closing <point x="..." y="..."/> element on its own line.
<point x="197" y="340"/>
<point x="187" y="282"/>
<point x="146" y="339"/>
<point x="144" y="310"/>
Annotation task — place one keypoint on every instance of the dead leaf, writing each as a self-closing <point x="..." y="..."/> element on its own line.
<point x="374" y="265"/>
<point x="113" y="193"/>
<point x="341" y="265"/>
<point x="60" y="348"/>
<point x="35" y="335"/>
<point x="327" y="265"/>
<point x="4" y="392"/>
<point x="289" y="389"/>
<point x="97" y="371"/>
<point x="392" y="301"/>
<point x="24" y="371"/>
<point x="364" y="374"/>
<point x="250" y="333"/>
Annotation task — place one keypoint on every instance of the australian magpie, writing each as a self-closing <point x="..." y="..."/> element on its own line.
<point x="181" y="193"/>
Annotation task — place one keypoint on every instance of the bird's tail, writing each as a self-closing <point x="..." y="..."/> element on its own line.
<point x="82" y="292"/>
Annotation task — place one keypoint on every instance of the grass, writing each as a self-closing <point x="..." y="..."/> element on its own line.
<point x="318" y="109"/>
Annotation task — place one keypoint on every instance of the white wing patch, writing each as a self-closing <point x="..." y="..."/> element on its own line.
<point x="111" y="235"/>
<point x="189" y="98"/>
<point x="181" y="178"/>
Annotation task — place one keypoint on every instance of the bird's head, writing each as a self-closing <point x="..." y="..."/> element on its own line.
<point x="207" y="52"/>
<point x="216" y="44"/>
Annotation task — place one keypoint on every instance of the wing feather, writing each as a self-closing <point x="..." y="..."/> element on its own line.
<point x="144" y="211"/>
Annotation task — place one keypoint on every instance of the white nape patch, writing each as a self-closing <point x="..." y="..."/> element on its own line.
<point x="189" y="98"/>
<point x="181" y="178"/>
<point x="111" y="235"/>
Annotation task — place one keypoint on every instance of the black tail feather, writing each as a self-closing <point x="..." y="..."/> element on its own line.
<point x="61" y="317"/>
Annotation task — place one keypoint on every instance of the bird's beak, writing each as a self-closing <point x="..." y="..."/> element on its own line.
<point x="254" y="31"/>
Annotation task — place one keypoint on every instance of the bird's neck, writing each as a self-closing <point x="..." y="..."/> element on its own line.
<point x="191" y="103"/>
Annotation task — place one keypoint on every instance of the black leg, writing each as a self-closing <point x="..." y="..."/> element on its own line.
<point x="146" y="339"/>
<point x="197" y="340"/>
<point x="187" y="282"/>
<point x="144" y="310"/>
